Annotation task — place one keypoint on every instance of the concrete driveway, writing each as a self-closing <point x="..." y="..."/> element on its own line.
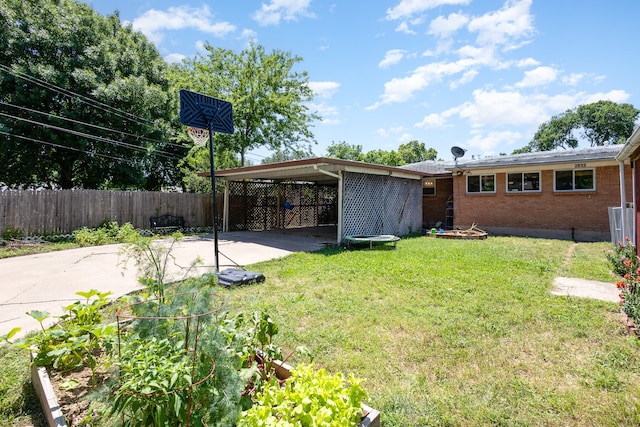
<point x="48" y="282"/>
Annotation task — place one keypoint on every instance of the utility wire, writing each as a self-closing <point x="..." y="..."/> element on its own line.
<point x="159" y="153"/>
<point x="90" y="125"/>
<point x="89" y="101"/>
<point x="93" y="153"/>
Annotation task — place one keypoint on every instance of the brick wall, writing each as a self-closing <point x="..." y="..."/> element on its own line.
<point x="579" y="215"/>
<point x="433" y="207"/>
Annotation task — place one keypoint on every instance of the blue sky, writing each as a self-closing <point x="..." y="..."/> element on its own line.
<point x="479" y="74"/>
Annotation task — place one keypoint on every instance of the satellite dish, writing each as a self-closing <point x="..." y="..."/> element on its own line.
<point x="457" y="152"/>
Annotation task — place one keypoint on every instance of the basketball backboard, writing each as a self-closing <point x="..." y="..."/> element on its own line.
<point x="206" y="112"/>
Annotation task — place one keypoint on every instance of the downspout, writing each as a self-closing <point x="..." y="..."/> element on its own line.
<point x="338" y="176"/>
<point x="634" y="201"/>
<point x="225" y="208"/>
<point x="623" y="201"/>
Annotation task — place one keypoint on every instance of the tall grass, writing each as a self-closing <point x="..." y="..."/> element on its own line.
<point x="459" y="333"/>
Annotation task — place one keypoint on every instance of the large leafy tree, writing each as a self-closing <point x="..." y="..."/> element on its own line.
<point x="600" y="123"/>
<point x="414" y="152"/>
<point x="411" y="152"/>
<point x="343" y="150"/>
<point x="84" y="101"/>
<point x="269" y="98"/>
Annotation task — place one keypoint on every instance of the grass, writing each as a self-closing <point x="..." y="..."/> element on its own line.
<point x="13" y="250"/>
<point x="19" y="405"/>
<point x="459" y="333"/>
<point x="456" y="333"/>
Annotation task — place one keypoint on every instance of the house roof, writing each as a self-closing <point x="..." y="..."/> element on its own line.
<point x="593" y="154"/>
<point x="631" y="146"/>
<point x="317" y="169"/>
<point x="431" y="167"/>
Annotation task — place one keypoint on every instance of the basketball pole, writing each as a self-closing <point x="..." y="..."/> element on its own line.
<point x="215" y="205"/>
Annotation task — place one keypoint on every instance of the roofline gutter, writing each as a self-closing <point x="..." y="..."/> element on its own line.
<point x="630" y="146"/>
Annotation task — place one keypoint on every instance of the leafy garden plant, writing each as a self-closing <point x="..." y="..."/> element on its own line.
<point x="77" y="340"/>
<point x="309" y="398"/>
<point x="625" y="263"/>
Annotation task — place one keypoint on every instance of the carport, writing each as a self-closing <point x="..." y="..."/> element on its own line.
<point x="357" y="198"/>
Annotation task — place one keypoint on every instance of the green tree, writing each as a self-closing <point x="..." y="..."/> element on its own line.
<point x="600" y="123"/>
<point x="84" y="101"/>
<point x="414" y="152"/>
<point x="382" y="157"/>
<point x="288" y="154"/>
<point x="269" y="99"/>
<point x="344" y="151"/>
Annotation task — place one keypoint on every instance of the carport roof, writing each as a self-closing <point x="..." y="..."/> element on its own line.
<point x="311" y="170"/>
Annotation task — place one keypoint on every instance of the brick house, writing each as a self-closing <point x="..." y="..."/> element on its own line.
<point x="554" y="194"/>
<point x="630" y="153"/>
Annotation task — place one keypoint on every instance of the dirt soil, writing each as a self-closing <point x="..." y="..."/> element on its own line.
<point x="74" y="402"/>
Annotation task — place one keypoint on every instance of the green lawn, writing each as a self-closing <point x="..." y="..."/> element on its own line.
<point x="459" y="333"/>
<point x="455" y="333"/>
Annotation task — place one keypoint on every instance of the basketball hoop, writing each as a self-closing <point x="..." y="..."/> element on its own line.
<point x="198" y="135"/>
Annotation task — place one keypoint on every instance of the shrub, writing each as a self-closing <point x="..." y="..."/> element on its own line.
<point x="625" y="263"/>
<point x="11" y="233"/>
<point x="620" y="256"/>
<point x="106" y="233"/>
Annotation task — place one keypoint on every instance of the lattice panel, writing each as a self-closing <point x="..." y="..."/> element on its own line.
<point x="259" y="206"/>
<point x="378" y="204"/>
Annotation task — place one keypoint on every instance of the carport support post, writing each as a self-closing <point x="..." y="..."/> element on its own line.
<point x="215" y="205"/>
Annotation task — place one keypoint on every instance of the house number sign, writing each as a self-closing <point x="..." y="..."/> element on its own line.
<point x="580" y="165"/>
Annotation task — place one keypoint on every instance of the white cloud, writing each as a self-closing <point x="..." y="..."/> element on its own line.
<point x="527" y="62"/>
<point x="487" y="143"/>
<point x="538" y="77"/>
<point x="154" y="22"/>
<point x="493" y="108"/>
<point x="445" y="27"/>
<point x="573" y="79"/>
<point x="324" y="89"/>
<point x="392" y="57"/>
<point x="407" y="8"/>
<point x="402" y="89"/>
<point x="618" y="96"/>
<point x="277" y="10"/>
<point x="466" y="78"/>
<point x="404" y="138"/>
<point x="432" y="120"/>
<point x="382" y="133"/>
<point x="174" y="58"/>
<point x="200" y="46"/>
<point x="505" y="26"/>
<point x="403" y="27"/>
<point x="329" y="113"/>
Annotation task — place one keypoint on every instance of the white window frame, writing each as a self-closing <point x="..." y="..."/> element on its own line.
<point x="573" y="183"/>
<point x="524" y="190"/>
<point x="480" y="176"/>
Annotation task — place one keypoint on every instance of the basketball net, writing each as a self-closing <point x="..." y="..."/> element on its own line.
<point x="198" y="135"/>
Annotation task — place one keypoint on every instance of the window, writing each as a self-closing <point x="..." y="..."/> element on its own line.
<point x="481" y="184"/>
<point x="526" y="181"/>
<point x="429" y="187"/>
<point x="575" y="180"/>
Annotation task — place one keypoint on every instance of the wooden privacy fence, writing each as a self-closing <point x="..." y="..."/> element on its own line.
<point x="63" y="211"/>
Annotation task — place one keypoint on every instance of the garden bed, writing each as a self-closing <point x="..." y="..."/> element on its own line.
<point x="67" y="408"/>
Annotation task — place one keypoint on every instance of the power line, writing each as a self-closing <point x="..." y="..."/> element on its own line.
<point x="68" y="148"/>
<point x="159" y="153"/>
<point x="90" y="124"/>
<point x="82" y="98"/>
